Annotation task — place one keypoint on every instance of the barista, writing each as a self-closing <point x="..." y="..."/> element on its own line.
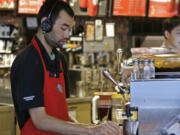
<point x="171" y="31"/>
<point x="39" y="79"/>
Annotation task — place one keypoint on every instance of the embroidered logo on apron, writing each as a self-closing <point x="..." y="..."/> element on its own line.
<point x="59" y="88"/>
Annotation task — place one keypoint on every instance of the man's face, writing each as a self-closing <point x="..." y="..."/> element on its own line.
<point x="174" y="38"/>
<point x="60" y="31"/>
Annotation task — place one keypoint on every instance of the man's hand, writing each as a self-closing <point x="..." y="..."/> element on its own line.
<point x="108" y="128"/>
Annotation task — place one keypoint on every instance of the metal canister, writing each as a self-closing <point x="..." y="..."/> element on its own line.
<point x="81" y="89"/>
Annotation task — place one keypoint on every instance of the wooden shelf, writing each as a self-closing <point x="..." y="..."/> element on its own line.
<point x="4" y="51"/>
<point x="1" y="66"/>
<point x="8" y="38"/>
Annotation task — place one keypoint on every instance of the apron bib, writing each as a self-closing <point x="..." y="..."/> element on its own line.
<point x="54" y="99"/>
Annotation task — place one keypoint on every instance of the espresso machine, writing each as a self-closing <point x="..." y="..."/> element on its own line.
<point x="154" y="101"/>
<point x="157" y="105"/>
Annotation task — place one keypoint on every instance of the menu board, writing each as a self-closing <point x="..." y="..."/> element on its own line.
<point x="29" y="6"/>
<point x="163" y="8"/>
<point x="7" y="4"/>
<point x="129" y="7"/>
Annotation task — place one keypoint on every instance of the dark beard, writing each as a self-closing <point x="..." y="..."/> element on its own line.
<point x="51" y="41"/>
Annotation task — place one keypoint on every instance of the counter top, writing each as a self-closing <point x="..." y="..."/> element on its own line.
<point x="78" y="100"/>
<point x="6" y="97"/>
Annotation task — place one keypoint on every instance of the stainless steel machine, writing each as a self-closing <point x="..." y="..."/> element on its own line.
<point x="158" y="103"/>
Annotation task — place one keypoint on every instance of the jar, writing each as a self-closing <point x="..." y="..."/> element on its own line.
<point x="117" y="109"/>
<point x="81" y="89"/>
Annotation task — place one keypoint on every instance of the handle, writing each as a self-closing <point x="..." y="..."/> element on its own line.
<point x="108" y="75"/>
<point x="119" y="55"/>
<point x="94" y="109"/>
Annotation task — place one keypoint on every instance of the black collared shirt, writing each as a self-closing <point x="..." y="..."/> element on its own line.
<point x="51" y="65"/>
<point x="27" y="79"/>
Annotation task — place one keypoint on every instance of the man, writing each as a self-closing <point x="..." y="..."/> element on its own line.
<point x="39" y="79"/>
<point x="171" y="29"/>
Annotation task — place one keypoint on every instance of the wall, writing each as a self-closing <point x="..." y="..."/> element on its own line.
<point x="121" y="31"/>
<point x="125" y="27"/>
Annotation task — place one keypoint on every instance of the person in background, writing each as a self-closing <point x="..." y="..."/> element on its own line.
<point x="39" y="80"/>
<point x="171" y="29"/>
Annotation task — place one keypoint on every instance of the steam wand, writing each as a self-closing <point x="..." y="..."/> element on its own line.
<point x="120" y="89"/>
<point x="108" y="75"/>
<point x="123" y="92"/>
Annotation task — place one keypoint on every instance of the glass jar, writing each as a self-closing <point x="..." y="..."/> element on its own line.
<point x="117" y="110"/>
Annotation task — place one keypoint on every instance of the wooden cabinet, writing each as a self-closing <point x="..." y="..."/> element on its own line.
<point x="18" y="132"/>
<point x="80" y="111"/>
<point x="7" y="119"/>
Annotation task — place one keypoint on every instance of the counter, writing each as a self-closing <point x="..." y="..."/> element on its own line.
<point x="6" y="97"/>
<point x="80" y="108"/>
<point x="78" y="100"/>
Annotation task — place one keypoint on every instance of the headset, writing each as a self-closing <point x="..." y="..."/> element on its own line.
<point x="47" y="24"/>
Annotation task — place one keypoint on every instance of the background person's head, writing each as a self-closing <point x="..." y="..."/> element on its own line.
<point x="171" y="31"/>
<point x="55" y="20"/>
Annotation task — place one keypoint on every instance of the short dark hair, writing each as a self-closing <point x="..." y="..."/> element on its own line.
<point x="53" y="7"/>
<point x="170" y="23"/>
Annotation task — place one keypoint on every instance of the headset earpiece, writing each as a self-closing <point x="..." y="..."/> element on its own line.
<point x="46" y="25"/>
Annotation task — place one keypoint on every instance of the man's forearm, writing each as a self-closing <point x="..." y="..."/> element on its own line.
<point x="45" y="122"/>
<point x="55" y="125"/>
